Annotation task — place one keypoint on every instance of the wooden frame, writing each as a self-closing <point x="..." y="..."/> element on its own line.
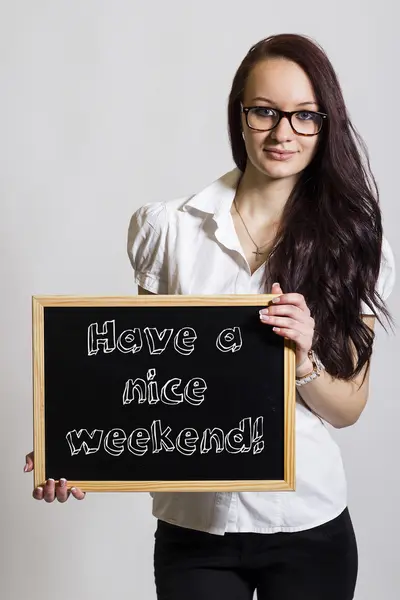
<point x="39" y="303"/>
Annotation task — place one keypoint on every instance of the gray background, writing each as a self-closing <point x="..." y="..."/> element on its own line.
<point x="105" y="106"/>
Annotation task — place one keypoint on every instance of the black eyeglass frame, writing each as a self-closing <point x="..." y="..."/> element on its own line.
<point x="283" y="113"/>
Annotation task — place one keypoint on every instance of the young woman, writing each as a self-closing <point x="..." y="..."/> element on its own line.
<point x="298" y="216"/>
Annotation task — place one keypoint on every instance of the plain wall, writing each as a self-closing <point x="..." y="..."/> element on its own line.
<point x="105" y="106"/>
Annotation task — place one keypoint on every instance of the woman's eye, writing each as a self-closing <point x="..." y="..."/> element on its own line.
<point x="264" y="112"/>
<point x="305" y="116"/>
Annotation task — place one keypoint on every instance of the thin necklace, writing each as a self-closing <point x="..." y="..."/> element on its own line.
<point x="258" y="248"/>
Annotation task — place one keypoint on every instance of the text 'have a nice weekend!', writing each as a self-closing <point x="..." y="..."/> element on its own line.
<point x="247" y="437"/>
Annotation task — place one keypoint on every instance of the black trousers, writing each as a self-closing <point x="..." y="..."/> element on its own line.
<point x="317" y="564"/>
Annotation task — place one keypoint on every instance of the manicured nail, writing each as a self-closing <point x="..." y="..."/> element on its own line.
<point x="73" y="489"/>
<point x="50" y="481"/>
<point x="63" y="482"/>
<point x="25" y="468"/>
<point x="40" y="489"/>
<point x="276" y="283"/>
<point x="276" y="300"/>
<point x="263" y="311"/>
<point x="264" y="317"/>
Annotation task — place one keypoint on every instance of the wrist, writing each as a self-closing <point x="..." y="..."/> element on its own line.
<point x="316" y="368"/>
<point x="305" y="368"/>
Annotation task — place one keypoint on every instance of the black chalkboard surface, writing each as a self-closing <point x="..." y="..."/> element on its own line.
<point x="148" y="393"/>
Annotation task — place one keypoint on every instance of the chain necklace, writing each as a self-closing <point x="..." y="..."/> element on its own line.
<point x="258" y="248"/>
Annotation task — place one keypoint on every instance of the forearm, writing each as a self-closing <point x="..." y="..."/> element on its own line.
<point x="338" y="402"/>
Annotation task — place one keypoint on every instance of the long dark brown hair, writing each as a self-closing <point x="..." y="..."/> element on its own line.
<point x="328" y="246"/>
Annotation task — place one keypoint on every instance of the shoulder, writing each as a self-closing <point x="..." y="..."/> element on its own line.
<point x="152" y="219"/>
<point x="387" y="274"/>
<point x="150" y="215"/>
<point x="388" y="261"/>
<point x="162" y="214"/>
<point x="155" y="227"/>
<point x="147" y="247"/>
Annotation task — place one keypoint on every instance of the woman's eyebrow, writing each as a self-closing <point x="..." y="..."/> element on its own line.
<point x="304" y="103"/>
<point x="272" y="102"/>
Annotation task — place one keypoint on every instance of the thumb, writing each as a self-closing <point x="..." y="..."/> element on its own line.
<point x="78" y="493"/>
<point x="276" y="288"/>
<point x="29" y="462"/>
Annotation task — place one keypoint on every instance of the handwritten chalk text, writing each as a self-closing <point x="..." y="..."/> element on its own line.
<point x="247" y="437"/>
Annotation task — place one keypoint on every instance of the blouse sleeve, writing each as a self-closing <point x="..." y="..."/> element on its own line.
<point x="387" y="276"/>
<point x="147" y="247"/>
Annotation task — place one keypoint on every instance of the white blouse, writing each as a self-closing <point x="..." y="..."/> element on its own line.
<point x="189" y="246"/>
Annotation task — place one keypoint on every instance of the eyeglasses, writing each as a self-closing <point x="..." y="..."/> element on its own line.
<point x="303" y="122"/>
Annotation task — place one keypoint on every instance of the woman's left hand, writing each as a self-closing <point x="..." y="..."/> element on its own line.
<point x="290" y="317"/>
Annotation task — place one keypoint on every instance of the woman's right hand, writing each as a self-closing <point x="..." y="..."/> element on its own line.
<point x="51" y="491"/>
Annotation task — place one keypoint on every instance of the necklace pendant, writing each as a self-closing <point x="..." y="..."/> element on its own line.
<point x="257" y="253"/>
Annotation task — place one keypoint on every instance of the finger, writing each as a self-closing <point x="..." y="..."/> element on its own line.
<point x="283" y="322"/>
<point x="62" y="491"/>
<point x="78" y="493"/>
<point x="293" y="298"/>
<point x="28" y="462"/>
<point x="38" y="493"/>
<point x="291" y="334"/>
<point x="285" y="310"/>
<point x="276" y="288"/>
<point x="49" y="491"/>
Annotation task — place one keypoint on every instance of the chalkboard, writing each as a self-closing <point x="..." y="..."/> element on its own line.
<point x="158" y="393"/>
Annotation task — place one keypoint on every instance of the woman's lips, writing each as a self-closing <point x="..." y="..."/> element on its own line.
<point x="276" y="155"/>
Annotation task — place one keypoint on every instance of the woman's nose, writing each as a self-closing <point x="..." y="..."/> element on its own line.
<point x="283" y="131"/>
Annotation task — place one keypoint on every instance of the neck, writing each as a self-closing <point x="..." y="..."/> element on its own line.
<point x="262" y="198"/>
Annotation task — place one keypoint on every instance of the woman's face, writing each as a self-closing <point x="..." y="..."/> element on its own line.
<point x="279" y="83"/>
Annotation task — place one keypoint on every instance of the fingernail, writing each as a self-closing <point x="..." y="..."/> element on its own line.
<point x="25" y="468"/>
<point x="263" y="311"/>
<point x="50" y="481"/>
<point x="264" y="317"/>
<point x="73" y="489"/>
<point x="276" y="300"/>
<point x="40" y="489"/>
<point x="276" y="283"/>
<point x="63" y="482"/>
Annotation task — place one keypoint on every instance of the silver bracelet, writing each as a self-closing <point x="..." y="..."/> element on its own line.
<point x="318" y="367"/>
